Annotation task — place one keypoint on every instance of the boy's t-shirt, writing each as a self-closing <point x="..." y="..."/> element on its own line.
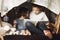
<point x="40" y="17"/>
<point x="20" y="24"/>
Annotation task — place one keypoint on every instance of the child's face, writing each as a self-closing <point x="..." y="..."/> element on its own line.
<point x="36" y="10"/>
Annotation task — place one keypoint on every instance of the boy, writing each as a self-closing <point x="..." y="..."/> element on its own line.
<point x="39" y="18"/>
<point x="37" y="14"/>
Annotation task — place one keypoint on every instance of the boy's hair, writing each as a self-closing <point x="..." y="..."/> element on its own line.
<point x="37" y="6"/>
<point x="22" y="11"/>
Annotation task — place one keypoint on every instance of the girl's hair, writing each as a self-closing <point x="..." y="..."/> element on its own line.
<point x="22" y="11"/>
<point x="57" y="24"/>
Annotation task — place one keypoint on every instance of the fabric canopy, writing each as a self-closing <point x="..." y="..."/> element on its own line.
<point x="6" y="5"/>
<point x="53" y="5"/>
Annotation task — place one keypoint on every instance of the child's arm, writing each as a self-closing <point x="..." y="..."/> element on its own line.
<point x="14" y="24"/>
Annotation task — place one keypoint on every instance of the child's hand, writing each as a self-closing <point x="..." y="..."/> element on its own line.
<point x="48" y="33"/>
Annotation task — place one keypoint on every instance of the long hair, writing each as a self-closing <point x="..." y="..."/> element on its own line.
<point x="57" y="24"/>
<point x="22" y="11"/>
<point x="0" y="21"/>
